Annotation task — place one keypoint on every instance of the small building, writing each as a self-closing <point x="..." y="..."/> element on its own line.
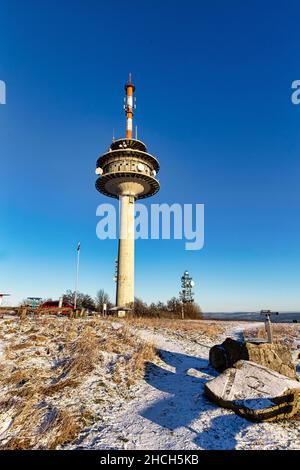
<point x="120" y="312"/>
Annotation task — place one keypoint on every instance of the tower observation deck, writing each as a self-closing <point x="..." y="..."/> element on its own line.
<point x="127" y="172"/>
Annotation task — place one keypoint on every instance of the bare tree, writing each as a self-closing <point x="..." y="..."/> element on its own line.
<point x="174" y="305"/>
<point x="140" y="308"/>
<point x="192" y="310"/>
<point x="83" y="300"/>
<point x="102" y="298"/>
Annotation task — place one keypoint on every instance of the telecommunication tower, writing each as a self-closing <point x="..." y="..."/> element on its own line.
<point x="186" y="295"/>
<point x="127" y="172"/>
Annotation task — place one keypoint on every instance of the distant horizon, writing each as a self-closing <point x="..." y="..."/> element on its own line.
<point x="280" y="312"/>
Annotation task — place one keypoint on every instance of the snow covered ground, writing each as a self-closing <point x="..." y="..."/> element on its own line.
<point x="169" y="410"/>
<point x="164" y="408"/>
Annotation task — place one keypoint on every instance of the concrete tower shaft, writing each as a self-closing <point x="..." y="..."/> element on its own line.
<point x="127" y="172"/>
<point x="125" y="278"/>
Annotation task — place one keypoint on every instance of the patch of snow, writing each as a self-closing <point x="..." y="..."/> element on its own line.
<point x="6" y="421"/>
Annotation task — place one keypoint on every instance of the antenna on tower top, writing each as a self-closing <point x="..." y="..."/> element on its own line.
<point x="129" y="88"/>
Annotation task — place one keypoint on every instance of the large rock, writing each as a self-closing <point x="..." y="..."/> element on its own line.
<point x="255" y="392"/>
<point x="277" y="357"/>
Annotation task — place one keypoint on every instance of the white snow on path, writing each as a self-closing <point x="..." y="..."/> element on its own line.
<point x="169" y="410"/>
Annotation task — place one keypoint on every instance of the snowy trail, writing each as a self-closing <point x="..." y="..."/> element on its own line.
<point x="169" y="410"/>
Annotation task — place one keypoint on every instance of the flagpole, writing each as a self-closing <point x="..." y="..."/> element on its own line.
<point x="77" y="276"/>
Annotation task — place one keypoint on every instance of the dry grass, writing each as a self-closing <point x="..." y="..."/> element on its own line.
<point x="194" y="330"/>
<point x="84" y="354"/>
<point x="37" y="338"/>
<point x="10" y="331"/>
<point x="17" y="443"/>
<point x="135" y="367"/>
<point x="129" y="370"/>
<point x="20" y="376"/>
<point x="66" y="430"/>
<point x="61" y="426"/>
<point x="17" y="346"/>
<point x="59" y="386"/>
<point x="52" y="368"/>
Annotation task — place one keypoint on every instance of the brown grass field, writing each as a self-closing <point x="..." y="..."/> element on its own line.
<point x="46" y="396"/>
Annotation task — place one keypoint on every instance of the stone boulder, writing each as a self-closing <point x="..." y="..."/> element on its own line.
<point x="277" y="357"/>
<point x="255" y="392"/>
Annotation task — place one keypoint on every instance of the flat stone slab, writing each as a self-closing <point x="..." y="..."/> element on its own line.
<point x="255" y="392"/>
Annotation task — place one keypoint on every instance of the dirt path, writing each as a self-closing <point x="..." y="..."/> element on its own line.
<point x="169" y="410"/>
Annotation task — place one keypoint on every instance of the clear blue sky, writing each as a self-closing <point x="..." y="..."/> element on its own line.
<point x="213" y="93"/>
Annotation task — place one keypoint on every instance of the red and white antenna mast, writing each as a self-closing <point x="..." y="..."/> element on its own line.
<point x="129" y="105"/>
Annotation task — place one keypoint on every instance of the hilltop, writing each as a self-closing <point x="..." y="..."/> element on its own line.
<point x="124" y="384"/>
